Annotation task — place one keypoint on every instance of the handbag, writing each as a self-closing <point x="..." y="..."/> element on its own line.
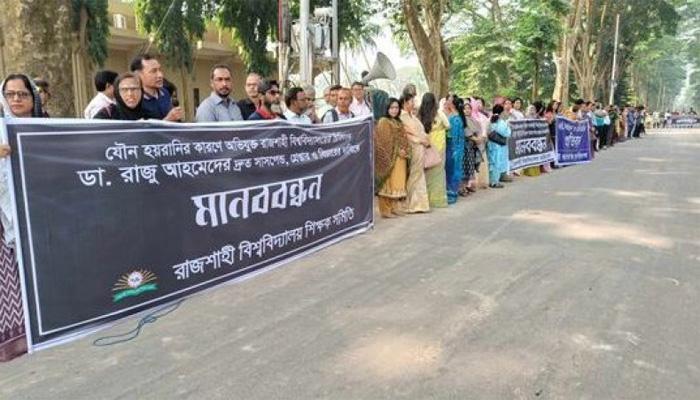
<point x="498" y="138"/>
<point x="431" y="158"/>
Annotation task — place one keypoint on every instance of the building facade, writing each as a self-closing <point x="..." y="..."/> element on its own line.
<point x="126" y="41"/>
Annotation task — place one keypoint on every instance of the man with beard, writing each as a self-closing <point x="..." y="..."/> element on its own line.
<point x="296" y="107"/>
<point x="270" y="106"/>
<point x="219" y="107"/>
<point x="250" y="104"/>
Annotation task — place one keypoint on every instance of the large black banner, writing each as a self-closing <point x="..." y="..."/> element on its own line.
<point x="529" y="143"/>
<point x="114" y="218"/>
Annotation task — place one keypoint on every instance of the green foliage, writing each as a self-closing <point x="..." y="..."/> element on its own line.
<point x="482" y="62"/>
<point x="536" y="32"/>
<point x="253" y="24"/>
<point x="96" y="27"/>
<point x="174" y="25"/>
<point x="659" y="69"/>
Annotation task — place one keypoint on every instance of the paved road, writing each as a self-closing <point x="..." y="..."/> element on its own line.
<point x="581" y="284"/>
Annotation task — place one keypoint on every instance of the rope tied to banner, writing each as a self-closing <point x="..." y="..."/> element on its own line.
<point x="134" y="333"/>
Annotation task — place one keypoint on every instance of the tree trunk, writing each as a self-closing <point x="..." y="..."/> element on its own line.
<point x="427" y="39"/>
<point x="562" y="58"/>
<point x="536" y="78"/>
<point x="83" y="68"/>
<point x="38" y="42"/>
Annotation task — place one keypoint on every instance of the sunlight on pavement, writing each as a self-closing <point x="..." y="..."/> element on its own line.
<point x="391" y="356"/>
<point x="652" y="160"/>
<point x="590" y="227"/>
<point x="627" y="193"/>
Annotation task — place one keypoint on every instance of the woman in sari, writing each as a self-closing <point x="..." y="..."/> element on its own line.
<point x="482" y="119"/>
<point x="416" y="190"/>
<point x="498" y="163"/>
<point x="436" y="123"/>
<point x="472" y="153"/>
<point x="390" y="165"/>
<point x="454" y="165"/>
<point x="20" y="99"/>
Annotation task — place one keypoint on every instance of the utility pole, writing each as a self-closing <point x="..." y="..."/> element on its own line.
<point x="614" y="66"/>
<point x="304" y="45"/>
<point x="282" y="42"/>
<point x="334" y="46"/>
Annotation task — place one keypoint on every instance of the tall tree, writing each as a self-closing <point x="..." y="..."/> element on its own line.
<point x="565" y="49"/>
<point x="423" y="22"/>
<point x="38" y="41"/>
<point x="91" y="30"/>
<point x="592" y="58"/>
<point x="536" y="30"/>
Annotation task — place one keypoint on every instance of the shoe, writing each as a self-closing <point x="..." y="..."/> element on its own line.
<point x="505" y="178"/>
<point x="497" y="186"/>
<point x="471" y="189"/>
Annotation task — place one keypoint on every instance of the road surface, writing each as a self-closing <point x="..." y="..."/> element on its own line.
<point x="579" y="284"/>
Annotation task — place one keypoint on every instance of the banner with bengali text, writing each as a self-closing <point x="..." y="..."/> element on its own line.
<point x="683" y="121"/>
<point x="529" y="143"/>
<point x="573" y="142"/>
<point x="114" y="218"/>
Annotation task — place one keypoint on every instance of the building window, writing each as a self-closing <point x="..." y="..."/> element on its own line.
<point x="195" y="93"/>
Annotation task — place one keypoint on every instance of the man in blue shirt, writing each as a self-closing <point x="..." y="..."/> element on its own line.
<point x="219" y="107"/>
<point x="156" y="100"/>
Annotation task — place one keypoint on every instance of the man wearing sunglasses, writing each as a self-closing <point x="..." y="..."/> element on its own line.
<point x="270" y="105"/>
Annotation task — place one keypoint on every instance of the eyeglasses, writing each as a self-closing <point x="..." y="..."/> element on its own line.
<point x="273" y="92"/>
<point x="20" y="94"/>
<point x="129" y="89"/>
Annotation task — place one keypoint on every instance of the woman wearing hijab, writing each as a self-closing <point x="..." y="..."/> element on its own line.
<point x="454" y="165"/>
<point x="437" y="125"/>
<point x="498" y="163"/>
<point x="390" y="153"/>
<point x="20" y="99"/>
<point x="127" y="96"/>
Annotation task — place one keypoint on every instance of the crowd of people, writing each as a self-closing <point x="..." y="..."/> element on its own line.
<point x="428" y="153"/>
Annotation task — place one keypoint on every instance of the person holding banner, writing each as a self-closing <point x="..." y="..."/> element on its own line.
<point x="20" y="99"/>
<point x="498" y="162"/>
<point x="128" y="98"/>
<point x="390" y="161"/>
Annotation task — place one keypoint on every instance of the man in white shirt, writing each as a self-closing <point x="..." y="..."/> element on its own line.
<point x="359" y="106"/>
<point x="104" y="83"/>
<point x="342" y="109"/>
<point x="330" y="94"/>
<point x="296" y="107"/>
<point x="517" y="112"/>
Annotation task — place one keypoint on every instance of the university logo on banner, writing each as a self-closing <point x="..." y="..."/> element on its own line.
<point x="573" y="142"/>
